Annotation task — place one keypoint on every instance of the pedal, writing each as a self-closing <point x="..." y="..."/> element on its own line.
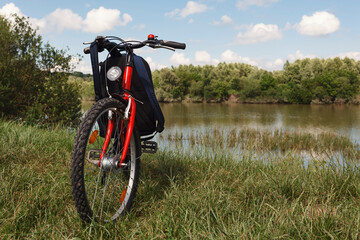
<point x="149" y="147"/>
<point x="94" y="156"/>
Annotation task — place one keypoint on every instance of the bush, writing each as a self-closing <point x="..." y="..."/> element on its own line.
<point x="34" y="82"/>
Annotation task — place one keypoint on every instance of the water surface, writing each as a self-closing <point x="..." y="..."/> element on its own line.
<point x="341" y="119"/>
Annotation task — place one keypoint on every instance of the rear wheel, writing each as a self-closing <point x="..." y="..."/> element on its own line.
<point x="104" y="192"/>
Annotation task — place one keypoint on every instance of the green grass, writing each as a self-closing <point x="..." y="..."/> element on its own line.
<point x="179" y="196"/>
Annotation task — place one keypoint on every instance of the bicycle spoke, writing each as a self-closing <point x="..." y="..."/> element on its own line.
<point x="109" y="190"/>
<point x="97" y="184"/>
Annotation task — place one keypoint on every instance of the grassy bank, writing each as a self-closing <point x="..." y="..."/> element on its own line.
<point x="179" y="196"/>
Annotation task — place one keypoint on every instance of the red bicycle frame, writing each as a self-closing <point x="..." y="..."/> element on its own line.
<point x="127" y="77"/>
<point x="131" y="102"/>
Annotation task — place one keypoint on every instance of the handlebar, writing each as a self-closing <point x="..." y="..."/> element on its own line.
<point x="173" y="44"/>
<point x="87" y="50"/>
<point x="103" y="42"/>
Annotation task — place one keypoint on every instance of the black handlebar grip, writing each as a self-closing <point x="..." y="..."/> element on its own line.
<point x="87" y="50"/>
<point x="172" y="44"/>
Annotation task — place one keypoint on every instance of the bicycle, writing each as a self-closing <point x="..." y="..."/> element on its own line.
<point x="105" y="164"/>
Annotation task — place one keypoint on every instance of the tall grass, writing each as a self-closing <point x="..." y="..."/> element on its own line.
<point x="326" y="143"/>
<point x="179" y="196"/>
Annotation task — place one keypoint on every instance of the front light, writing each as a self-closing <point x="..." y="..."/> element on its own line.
<point x="114" y="73"/>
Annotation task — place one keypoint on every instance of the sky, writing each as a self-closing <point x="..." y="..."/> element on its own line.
<point x="263" y="33"/>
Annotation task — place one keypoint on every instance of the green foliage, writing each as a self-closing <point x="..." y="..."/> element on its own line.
<point x="86" y="77"/>
<point x="303" y="81"/>
<point x="34" y="82"/>
<point x="322" y="80"/>
<point x="86" y="83"/>
<point x="197" y="89"/>
<point x="267" y="81"/>
<point x="169" y="83"/>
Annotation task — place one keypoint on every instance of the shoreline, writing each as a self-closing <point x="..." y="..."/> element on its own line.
<point x="270" y="102"/>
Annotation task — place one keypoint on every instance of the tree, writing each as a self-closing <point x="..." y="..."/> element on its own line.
<point x="168" y="83"/>
<point x="267" y="81"/>
<point x="303" y="81"/>
<point x="34" y="82"/>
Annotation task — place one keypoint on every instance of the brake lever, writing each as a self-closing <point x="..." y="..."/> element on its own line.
<point x="160" y="46"/>
<point x="166" y="47"/>
<point x="101" y="38"/>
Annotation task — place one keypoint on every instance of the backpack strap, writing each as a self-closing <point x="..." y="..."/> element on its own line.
<point x="149" y="88"/>
<point x="95" y="68"/>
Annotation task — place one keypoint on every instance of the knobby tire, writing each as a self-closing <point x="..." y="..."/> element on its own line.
<point x="86" y="186"/>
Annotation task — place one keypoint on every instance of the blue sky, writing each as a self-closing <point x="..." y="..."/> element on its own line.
<point x="264" y="33"/>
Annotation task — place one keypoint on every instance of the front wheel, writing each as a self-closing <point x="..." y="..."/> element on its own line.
<point x="102" y="193"/>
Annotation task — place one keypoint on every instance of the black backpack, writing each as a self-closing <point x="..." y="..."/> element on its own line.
<point x="149" y="117"/>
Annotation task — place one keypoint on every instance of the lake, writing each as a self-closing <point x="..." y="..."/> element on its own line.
<point x="187" y="120"/>
<point x="341" y="119"/>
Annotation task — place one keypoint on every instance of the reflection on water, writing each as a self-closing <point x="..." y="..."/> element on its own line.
<point x="341" y="119"/>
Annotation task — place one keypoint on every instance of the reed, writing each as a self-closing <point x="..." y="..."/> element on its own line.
<point x="323" y="143"/>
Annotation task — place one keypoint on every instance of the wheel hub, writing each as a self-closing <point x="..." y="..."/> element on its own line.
<point x="109" y="164"/>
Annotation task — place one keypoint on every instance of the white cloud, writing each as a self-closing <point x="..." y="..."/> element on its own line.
<point x="153" y="65"/>
<point x="62" y="19"/>
<point x="81" y="66"/>
<point x="318" y="24"/>
<point x="229" y="56"/>
<point x="96" y="21"/>
<point x="274" y="65"/>
<point x="9" y="9"/>
<point x="172" y="13"/>
<point x="179" y="58"/>
<point x="102" y="19"/>
<point x="190" y="9"/>
<point x="354" y="55"/>
<point x="259" y="33"/>
<point x="244" y="4"/>
<point x="300" y="55"/>
<point x="224" y="20"/>
<point x="204" y="57"/>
